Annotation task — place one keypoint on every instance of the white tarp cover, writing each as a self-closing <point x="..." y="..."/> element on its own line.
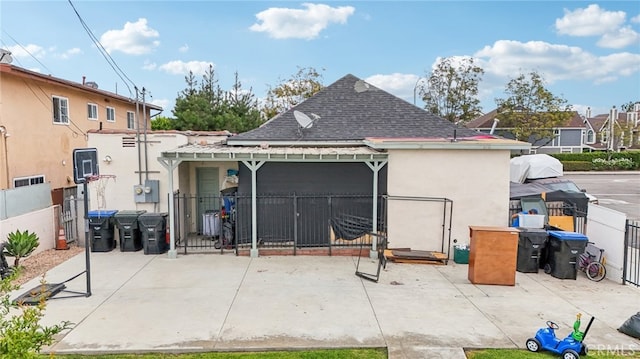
<point x="534" y="166"/>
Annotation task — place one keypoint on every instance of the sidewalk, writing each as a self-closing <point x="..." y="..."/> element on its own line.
<point x="205" y="302"/>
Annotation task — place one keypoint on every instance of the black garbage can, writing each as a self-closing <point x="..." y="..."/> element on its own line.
<point x="531" y="246"/>
<point x="563" y="253"/>
<point x="153" y="227"/>
<point x="101" y="231"/>
<point x="129" y="230"/>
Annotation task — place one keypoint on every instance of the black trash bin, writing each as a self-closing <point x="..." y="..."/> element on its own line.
<point x="101" y="231"/>
<point x="153" y="227"/>
<point x="563" y="253"/>
<point x="531" y="246"/>
<point x="129" y="230"/>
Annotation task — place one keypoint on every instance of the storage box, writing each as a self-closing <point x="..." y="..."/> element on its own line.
<point x="531" y="220"/>
<point x="461" y="254"/>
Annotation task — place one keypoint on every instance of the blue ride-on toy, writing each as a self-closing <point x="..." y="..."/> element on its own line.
<point x="570" y="347"/>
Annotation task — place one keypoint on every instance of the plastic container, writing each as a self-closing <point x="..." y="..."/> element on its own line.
<point x="563" y="253"/>
<point x="531" y="220"/>
<point x="127" y="223"/>
<point x="211" y="224"/>
<point x="101" y="231"/>
<point x="153" y="227"/>
<point x="531" y="247"/>
<point x="461" y="254"/>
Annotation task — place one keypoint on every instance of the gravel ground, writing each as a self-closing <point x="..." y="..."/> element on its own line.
<point x="38" y="264"/>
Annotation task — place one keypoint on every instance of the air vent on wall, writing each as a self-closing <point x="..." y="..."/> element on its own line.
<point x="128" y="142"/>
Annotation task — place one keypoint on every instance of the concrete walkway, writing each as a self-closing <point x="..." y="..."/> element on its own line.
<point x="208" y="302"/>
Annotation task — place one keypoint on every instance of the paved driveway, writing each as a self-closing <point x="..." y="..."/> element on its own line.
<point x="222" y="302"/>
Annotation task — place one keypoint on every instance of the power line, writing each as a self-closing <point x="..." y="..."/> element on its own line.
<point x="25" y="50"/>
<point x="112" y="63"/>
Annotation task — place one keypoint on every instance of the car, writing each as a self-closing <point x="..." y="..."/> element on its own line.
<point x="562" y="184"/>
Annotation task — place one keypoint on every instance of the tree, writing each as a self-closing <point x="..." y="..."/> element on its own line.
<point x="531" y="111"/>
<point x="290" y="92"/>
<point x="451" y="89"/>
<point x="163" y="123"/>
<point x="629" y="106"/>
<point x="205" y="106"/>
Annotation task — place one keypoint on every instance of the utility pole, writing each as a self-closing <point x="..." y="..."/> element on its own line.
<point x="613" y="115"/>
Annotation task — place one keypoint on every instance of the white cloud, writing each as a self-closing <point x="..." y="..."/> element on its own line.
<point x="284" y="23"/>
<point x="595" y="21"/>
<point x="401" y="85"/>
<point x="183" y="48"/>
<point x="134" y="38"/>
<point x="29" y="50"/>
<point x="505" y="59"/>
<point x="149" y="66"/>
<point x="183" y="68"/>
<point x="622" y="37"/>
<point x="69" y="53"/>
<point x="635" y="19"/>
<point x="164" y="103"/>
<point x="592" y="21"/>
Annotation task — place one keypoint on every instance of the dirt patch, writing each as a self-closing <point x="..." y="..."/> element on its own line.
<point x="37" y="264"/>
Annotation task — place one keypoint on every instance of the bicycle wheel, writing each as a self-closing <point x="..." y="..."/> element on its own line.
<point x="596" y="271"/>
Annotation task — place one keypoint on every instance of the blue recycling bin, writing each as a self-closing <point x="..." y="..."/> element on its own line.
<point x="563" y="255"/>
<point x="101" y="230"/>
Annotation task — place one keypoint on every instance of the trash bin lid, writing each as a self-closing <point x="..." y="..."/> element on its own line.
<point x="102" y="213"/>
<point x="154" y="214"/>
<point x="567" y="236"/>
<point x="130" y="213"/>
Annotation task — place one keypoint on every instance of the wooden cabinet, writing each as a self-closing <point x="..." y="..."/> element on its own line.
<point x="493" y="254"/>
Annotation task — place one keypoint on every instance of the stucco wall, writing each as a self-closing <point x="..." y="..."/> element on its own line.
<point x="477" y="181"/>
<point x="38" y="146"/>
<point x="42" y="222"/>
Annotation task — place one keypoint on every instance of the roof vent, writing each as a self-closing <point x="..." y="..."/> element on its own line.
<point x="91" y="84"/>
<point x="5" y="56"/>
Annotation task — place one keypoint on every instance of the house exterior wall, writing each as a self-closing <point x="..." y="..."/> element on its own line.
<point x="37" y="146"/>
<point x="476" y="181"/>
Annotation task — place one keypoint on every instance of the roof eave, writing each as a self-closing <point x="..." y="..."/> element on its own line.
<point x="447" y="144"/>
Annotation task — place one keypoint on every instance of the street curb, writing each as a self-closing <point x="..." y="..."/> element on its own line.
<point x="601" y="173"/>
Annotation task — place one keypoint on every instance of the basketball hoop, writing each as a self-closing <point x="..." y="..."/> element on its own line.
<point x="100" y="182"/>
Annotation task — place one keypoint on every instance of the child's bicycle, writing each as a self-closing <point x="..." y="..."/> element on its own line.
<point x="592" y="267"/>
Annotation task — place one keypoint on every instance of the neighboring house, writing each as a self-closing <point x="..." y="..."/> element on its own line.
<point x="353" y="138"/>
<point x="44" y="118"/>
<point x="626" y="131"/>
<point x="568" y="138"/>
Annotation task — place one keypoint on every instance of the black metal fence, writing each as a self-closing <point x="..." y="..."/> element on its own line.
<point x="289" y="221"/>
<point x="631" y="265"/>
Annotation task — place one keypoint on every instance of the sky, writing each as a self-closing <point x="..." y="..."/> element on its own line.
<point x="587" y="52"/>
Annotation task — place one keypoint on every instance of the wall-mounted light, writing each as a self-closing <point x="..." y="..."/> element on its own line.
<point x="64" y="162"/>
<point x="107" y="159"/>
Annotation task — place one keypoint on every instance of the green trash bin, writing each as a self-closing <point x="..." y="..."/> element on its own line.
<point x="461" y="254"/>
<point x="101" y="231"/>
<point x="153" y="227"/>
<point x="129" y="230"/>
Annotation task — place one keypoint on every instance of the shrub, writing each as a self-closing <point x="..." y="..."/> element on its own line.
<point x="577" y="165"/>
<point x="613" y="164"/>
<point x="21" y="334"/>
<point x="20" y="245"/>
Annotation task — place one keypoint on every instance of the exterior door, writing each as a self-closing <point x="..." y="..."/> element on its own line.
<point x="208" y="196"/>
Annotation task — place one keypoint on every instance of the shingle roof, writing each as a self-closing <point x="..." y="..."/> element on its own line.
<point x="350" y="115"/>
<point x="486" y="120"/>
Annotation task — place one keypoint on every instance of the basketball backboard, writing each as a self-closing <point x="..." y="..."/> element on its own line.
<point x="85" y="164"/>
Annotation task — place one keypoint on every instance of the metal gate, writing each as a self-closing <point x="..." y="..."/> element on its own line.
<point x="69" y="215"/>
<point x="631" y="266"/>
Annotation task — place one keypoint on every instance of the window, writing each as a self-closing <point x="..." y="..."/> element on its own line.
<point x="60" y="110"/>
<point x="604" y="136"/>
<point x="131" y="120"/>
<point x="28" y="181"/>
<point x="111" y="114"/>
<point x="92" y="111"/>
<point x="591" y="138"/>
